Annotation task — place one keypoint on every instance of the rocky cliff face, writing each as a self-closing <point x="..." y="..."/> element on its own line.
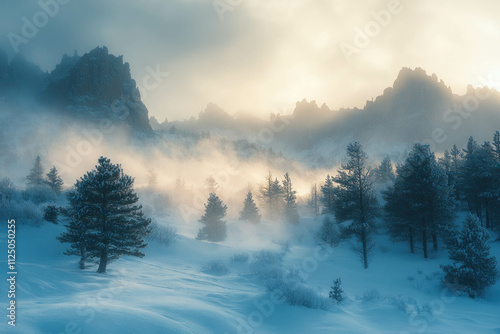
<point x="95" y="86"/>
<point x="98" y="84"/>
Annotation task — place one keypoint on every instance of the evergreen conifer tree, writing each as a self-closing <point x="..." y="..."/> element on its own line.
<point x="328" y="196"/>
<point x="473" y="269"/>
<point x="250" y="210"/>
<point x="54" y="180"/>
<point x="271" y="195"/>
<point x="215" y="227"/>
<point x="290" y="196"/>
<point x="421" y="199"/>
<point x="35" y="177"/>
<point x="356" y="199"/>
<point x="105" y="221"/>
<point x="313" y="202"/>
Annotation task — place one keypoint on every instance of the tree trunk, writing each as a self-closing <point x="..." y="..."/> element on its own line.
<point x="412" y="250"/>
<point x="486" y="206"/>
<point x="103" y="262"/>
<point x="434" y="241"/>
<point x="365" y="250"/>
<point x="424" y="239"/>
<point x="82" y="258"/>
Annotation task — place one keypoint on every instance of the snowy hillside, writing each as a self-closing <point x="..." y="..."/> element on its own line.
<point x="174" y="290"/>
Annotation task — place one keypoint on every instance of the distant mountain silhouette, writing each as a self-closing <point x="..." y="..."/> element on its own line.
<point x="93" y="87"/>
<point x="418" y="107"/>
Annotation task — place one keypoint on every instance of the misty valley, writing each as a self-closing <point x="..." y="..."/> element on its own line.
<point x="381" y="219"/>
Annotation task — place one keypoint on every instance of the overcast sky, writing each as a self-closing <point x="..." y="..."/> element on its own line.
<point x="264" y="55"/>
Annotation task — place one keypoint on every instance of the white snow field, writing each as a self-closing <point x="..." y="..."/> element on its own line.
<point x="174" y="290"/>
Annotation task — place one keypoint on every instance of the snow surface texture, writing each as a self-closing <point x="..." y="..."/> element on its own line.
<point x="192" y="286"/>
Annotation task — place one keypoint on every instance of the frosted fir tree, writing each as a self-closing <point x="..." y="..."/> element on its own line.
<point x="479" y="181"/>
<point x="35" y="177"/>
<point x="327" y="198"/>
<point x="78" y="229"/>
<point x="421" y="200"/>
<point x="290" y="197"/>
<point x="211" y="185"/>
<point x="473" y="269"/>
<point x="496" y="145"/>
<point x="54" y="180"/>
<point x="313" y="201"/>
<point x="215" y="227"/>
<point x="336" y="292"/>
<point x="328" y="232"/>
<point x="152" y="178"/>
<point x="356" y="199"/>
<point x="250" y="210"/>
<point x="105" y="220"/>
<point x="271" y="196"/>
<point x="385" y="172"/>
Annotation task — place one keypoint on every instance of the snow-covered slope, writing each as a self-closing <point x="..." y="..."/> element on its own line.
<point x="172" y="290"/>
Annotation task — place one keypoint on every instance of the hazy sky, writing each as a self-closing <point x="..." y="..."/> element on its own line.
<point x="264" y="55"/>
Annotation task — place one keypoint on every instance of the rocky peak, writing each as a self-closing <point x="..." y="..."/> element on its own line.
<point x="98" y="84"/>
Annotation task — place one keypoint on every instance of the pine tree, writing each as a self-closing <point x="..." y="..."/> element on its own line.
<point x="78" y="230"/>
<point x="336" y="292"/>
<point x="250" y="210"/>
<point x="356" y="199"/>
<point x="54" y="180"/>
<point x="385" y="173"/>
<point x="290" y="196"/>
<point x="496" y="145"/>
<point x="478" y="178"/>
<point x="473" y="269"/>
<point x="328" y="232"/>
<point x="399" y="215"/>
<point x="152" y="178"/>
<point x="215" y="227"/>
<point x="421" y="200"/>
<point x="456" y="161"/>
<point x="271" y="195"/>
<point x="313" y="202"/>
<point x="105" y="220"/>
<point x="35" y="177"/>
<point x="211" y="185"/>
<point x="328" y="196"/>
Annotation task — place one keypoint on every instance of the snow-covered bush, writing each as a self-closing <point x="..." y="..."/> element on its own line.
<point x="51" y="214"/>
<point x="162" y="233"/>
<point x="39" y="194"/>
<point x="328" y="232"/>
<point x="154" y="201"/>
<point x="284" y="245"/>
<point x="287" y="283"/>
<point x="216" y="267"/>
<point x="14" y="206"/>
<point x="24" y="212"/>
<point x="240" y="257"/>
<point x="371" y="295"/>
<point x="268" y="257"/>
